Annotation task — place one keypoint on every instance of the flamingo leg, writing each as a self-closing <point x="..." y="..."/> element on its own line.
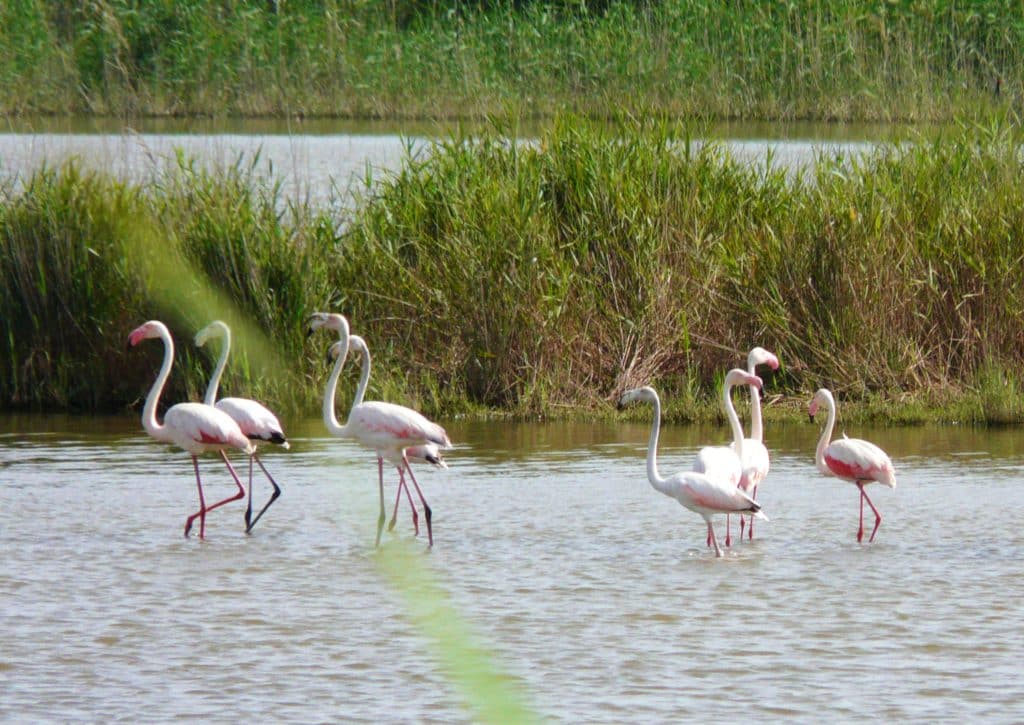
<point x="711" y="535"/>
<point x="273" y="496"/>
<point x="743" y="521"/>
<point x="398" y="496"/>
<point x="860" y="530"/>
<point x="728" y="530"/>
<point x="750" y="535"/>
<point x="426" y="508"/>
<point x="248" y="506"/>
<point x="380" y="518"/>
<point x="202" y="505"/>
<point x="238" y="482"/>
<point x="878" y="516"/>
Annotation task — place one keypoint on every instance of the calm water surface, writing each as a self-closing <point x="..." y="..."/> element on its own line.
<point x="596" y="594"/>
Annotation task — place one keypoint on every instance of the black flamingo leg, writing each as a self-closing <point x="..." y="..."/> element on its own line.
<point x="728" y="530"/>
<point x="273" y="496"/>
<point x="248" y="506"/>
<point x="878" y="516"/>
<point x="426" y="508"/>
<point x="202" y="505"/>
<point x="380" y="519"/>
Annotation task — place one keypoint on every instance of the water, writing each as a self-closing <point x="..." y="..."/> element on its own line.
<point x="324" y="161"/>
<point x="595" y="594"/>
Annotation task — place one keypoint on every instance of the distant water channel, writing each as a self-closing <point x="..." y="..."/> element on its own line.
<point x="595" y="595"/>
<point x="322" y="160"/>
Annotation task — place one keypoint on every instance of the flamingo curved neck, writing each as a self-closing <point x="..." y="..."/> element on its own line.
<point x="826" y="437"/>
<point x="364" y="375"/>
<point x="330" y="420"/>
<point x="149" y="421"/>
<point x="657" y="481"/>
<point x="756" y="427"/>
<point x="734" y="420"/>
<point x="218" y="371"/>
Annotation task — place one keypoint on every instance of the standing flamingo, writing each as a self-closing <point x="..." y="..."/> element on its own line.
<point x="385" y="428"/>
<point x="194" y="427"/>
<point x="727" y="463"/>
<point x="429" y="453"/>
<point x="255" y="421"/>
<point x="851" y="459"/>
<point x="755" y="454"/>
<point x="699" y="492"/>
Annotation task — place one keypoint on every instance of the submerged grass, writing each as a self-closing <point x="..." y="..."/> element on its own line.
<point x="542" y="277"/>
<point x="818" y="59"/>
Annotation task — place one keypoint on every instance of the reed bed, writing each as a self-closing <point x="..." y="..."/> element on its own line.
<point x="811" y="59"/>
<point x="541" y="277"/>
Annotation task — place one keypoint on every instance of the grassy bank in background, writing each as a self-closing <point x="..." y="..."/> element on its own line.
<point x="540" y="278"/>
<point x="812" y="59"/>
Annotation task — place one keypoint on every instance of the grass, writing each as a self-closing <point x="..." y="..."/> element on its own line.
<point x="540" y="278"/>
<point x="812" y="59"/>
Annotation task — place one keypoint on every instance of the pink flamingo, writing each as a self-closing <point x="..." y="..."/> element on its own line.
<point x="726" y="463"/>
<point x="385" y="428"/>
<point x="755" y="454"/>
<point x="255" y="421"/>
<point x="703" y="494"/>
<point x="429" y="453"/>
<point x="851" y="459"/>
<point x="194" y="427"/>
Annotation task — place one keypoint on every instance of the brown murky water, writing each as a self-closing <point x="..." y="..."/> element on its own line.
<point x="595" y="593"/>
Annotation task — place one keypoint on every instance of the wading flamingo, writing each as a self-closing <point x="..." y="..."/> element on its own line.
<point x="385" y="428"/>
<point x="256" y="422"/>
<point x="195" y="427"/>
<point x="851" y="459"/>
<point x="694" y="490"/>
<point x="755" y="454"/>
<point x="727" y="463"/>
<point x="429" y="453"/>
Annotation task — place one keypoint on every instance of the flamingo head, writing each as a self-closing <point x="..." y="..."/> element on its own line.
<point x="329" y="321"/>
<point x="646" y="393"/>
<point x="356" y="343"/>
<point x="334" y="351"/>
<point x="822" y="398"/>
<point x="760" y="356"/>
<point x="214" y="329"/>
<point x="736" y="376"/>
<point x="153" y="328"/>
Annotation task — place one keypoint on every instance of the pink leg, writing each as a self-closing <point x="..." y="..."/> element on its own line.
<point x="860" y="531"/>
<point x="241" y="488"/>
<point x="711" y="535"/>
<point x="878" y="516"/>
<point x="743" y="520"/>
<point x="202" y="505"/>
<point x="426" y="508"/>
<point x="398" y="497"/>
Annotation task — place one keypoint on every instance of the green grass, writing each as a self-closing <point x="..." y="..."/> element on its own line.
<point x="812" y="59"/>
<point x="540" y="278"/>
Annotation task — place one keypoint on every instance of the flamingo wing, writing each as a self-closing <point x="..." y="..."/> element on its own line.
<point x="392" y="425"/>
<point x="197" y="428"/>
<point x="859" y="460"/>
<point x="705" y="494"/>
<point x="255" y="421"/>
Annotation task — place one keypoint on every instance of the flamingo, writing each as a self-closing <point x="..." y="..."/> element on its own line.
<point x="255" y="421"/>
<point x="755" y="454"/>
<point x="385" y="428"/>
<point x="851" y="459"/>
<point x="429" y="453"/>
<point x="727" y="463"/>
<point x="699" y="492"/>
<point x="195" y="427"/>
